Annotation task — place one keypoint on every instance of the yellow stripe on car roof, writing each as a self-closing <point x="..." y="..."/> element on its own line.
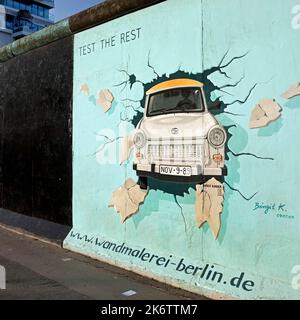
<point x="176" y="83"/>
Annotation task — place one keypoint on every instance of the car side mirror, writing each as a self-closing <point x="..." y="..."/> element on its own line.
<point x="216" y="105"/>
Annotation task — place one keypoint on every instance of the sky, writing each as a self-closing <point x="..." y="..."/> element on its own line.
<point x="66" y="8"/>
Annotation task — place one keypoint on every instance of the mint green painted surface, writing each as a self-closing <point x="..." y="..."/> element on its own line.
<point x="193" y="36"/>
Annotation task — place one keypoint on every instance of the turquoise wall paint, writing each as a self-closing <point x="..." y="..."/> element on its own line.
<point x="193" y="36"/>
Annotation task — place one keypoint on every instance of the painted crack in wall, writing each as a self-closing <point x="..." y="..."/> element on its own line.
<point x="106" y="100"/>
<point x="127" y="144"/>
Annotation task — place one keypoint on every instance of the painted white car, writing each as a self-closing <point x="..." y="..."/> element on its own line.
<point x="178" y="139"/>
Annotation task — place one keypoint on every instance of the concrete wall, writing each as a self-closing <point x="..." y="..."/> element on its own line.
<point x="241" y="242"/>
<point x="36" y="132"/>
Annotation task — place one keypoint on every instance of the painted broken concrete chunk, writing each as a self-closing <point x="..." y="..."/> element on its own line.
<point x="84" y="88"/>
<point x="265" y="112"/>
<point x="105" y="99"/>
<point x="127" y="199"/>
<point x="126" y="147"/>
<point x="292" y="91"/>
<point x="209" y="205"/>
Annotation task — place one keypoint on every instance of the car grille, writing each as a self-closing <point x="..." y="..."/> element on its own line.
<point x="179" y="152"/>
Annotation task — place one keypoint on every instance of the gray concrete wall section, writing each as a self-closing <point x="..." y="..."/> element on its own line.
<point x="36" y="132"/>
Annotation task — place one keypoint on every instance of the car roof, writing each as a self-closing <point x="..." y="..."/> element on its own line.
<point x="176" y="83"/>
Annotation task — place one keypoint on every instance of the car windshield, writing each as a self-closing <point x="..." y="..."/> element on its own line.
<point x="175" y="101"/>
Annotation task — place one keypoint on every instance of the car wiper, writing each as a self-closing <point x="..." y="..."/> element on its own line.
<point x="173" y="110"/>
<point x="162" y="111"/>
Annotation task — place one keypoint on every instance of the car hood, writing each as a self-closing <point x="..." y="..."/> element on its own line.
<point x="185" y="124"/>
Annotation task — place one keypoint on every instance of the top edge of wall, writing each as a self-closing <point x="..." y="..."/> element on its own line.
<point x="101" y="13"/>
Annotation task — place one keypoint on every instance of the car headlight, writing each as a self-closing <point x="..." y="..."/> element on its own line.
<point x="217" y="137"/>
<point x="139" y="139"/>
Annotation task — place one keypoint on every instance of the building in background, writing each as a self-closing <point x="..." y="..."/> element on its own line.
<point x="19" y="18"/>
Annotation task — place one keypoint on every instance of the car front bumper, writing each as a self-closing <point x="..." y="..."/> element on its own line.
<point x="198" y="175"/>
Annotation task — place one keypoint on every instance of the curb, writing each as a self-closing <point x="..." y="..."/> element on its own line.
<point x="35" y="228"/>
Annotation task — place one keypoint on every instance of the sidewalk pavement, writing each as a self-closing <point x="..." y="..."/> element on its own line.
<point x="38" y="270"/>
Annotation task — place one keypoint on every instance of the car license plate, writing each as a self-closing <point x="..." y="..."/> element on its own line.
<point x="175" y="171"/>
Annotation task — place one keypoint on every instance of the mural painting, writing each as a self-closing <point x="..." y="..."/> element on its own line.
<point x="176" y="136"/>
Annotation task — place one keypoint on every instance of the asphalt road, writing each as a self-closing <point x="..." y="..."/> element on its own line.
<point x="39" y="271"/>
